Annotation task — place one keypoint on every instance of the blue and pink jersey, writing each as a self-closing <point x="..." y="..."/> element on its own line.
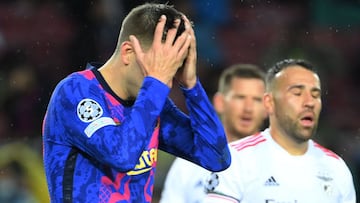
<point x="101" y="148"/>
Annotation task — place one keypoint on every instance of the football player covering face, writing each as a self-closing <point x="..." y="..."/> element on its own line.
<point x="241" y="107"/>
<point x="294" y="105"/>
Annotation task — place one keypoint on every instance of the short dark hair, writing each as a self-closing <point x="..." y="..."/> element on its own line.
<point x="142" y="20"/>
<point x="248" y="71"/>
<point x="286" y="63"/>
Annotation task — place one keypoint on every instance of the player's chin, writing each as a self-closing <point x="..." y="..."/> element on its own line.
<point x="307" y="133"/>
<point x="245" y="130"/>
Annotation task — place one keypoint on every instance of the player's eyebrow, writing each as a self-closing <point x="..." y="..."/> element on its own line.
<point x="297" y="86"/>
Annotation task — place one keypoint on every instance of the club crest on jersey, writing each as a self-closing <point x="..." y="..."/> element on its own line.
<point x="326" y="182"/>
<point x="89" y="110"/>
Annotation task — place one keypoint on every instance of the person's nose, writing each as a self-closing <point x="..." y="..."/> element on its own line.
<point x="309" y="100"/>
<point x="249" y="105"/>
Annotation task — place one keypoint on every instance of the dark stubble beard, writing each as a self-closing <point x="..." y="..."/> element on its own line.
<point x="293" y="129"/>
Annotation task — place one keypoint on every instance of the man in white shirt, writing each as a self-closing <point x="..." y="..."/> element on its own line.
<point x="239" y="104"/>
<point x="283" y="164"/>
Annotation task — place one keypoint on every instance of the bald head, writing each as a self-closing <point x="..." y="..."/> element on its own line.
<point x="275" y="70"/>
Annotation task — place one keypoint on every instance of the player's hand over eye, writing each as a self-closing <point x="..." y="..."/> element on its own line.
<point x="163" y="59"/>
<point x="186" y="75"/>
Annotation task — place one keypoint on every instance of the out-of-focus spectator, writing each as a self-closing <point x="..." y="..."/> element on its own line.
<point x="22" y="105"/>
<point x="22" y="177"/>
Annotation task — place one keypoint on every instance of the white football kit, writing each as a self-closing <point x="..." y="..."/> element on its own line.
<point x="263" y="172"/>
<point x="184" y="183"/>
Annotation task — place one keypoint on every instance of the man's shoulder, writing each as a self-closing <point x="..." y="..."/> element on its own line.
<point x="77" y="77"/>
<point x="322" y="152"/>
<point x="249" y="143"/>
<point x="186" y="165"/>
<point x="78" y="80"/>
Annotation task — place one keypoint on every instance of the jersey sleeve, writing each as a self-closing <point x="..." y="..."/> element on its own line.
<point x="184" y="183"/>
<point x="198" y="137"/>
<point x="225" y="186"/>
<point x="175" y="184"/>
<point x="347" y="184"/>
<point x="80" y="110"/>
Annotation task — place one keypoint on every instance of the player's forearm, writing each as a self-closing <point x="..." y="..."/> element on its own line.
<point x="138" y="126"/>
<point x="209" y="134"/>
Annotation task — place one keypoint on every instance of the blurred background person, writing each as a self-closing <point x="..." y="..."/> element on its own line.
<point x="239" y="105"/>
<point x="22" y="177"/>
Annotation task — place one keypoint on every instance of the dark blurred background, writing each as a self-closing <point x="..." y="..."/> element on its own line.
<point x="42" y="41"/>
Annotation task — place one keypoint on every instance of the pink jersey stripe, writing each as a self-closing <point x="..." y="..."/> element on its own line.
<point x="221" y="198"/>
<point x="328" y="152"/>
<point x="87" y="74"/>
<point x="250" y="141"/>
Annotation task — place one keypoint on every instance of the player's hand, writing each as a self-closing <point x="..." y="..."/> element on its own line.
<point x="186" y="75"/>
<point x="163" y="59"/>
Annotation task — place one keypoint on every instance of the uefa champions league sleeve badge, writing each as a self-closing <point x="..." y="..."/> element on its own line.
<point x="89" y="110"/>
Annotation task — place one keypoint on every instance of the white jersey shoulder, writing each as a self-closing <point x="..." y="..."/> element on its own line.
<point x="184" y="183"/>
<point x="262" y="171"/>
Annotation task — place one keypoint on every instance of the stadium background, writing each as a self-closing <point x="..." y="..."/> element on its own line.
<point x="41" y="41"/>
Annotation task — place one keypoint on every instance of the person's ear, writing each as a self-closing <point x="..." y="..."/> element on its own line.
<point x="126" y="52"/>
<point x="265" y="115"/>
<point x="218" y="101"/>
<point x="268" y="103"/>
